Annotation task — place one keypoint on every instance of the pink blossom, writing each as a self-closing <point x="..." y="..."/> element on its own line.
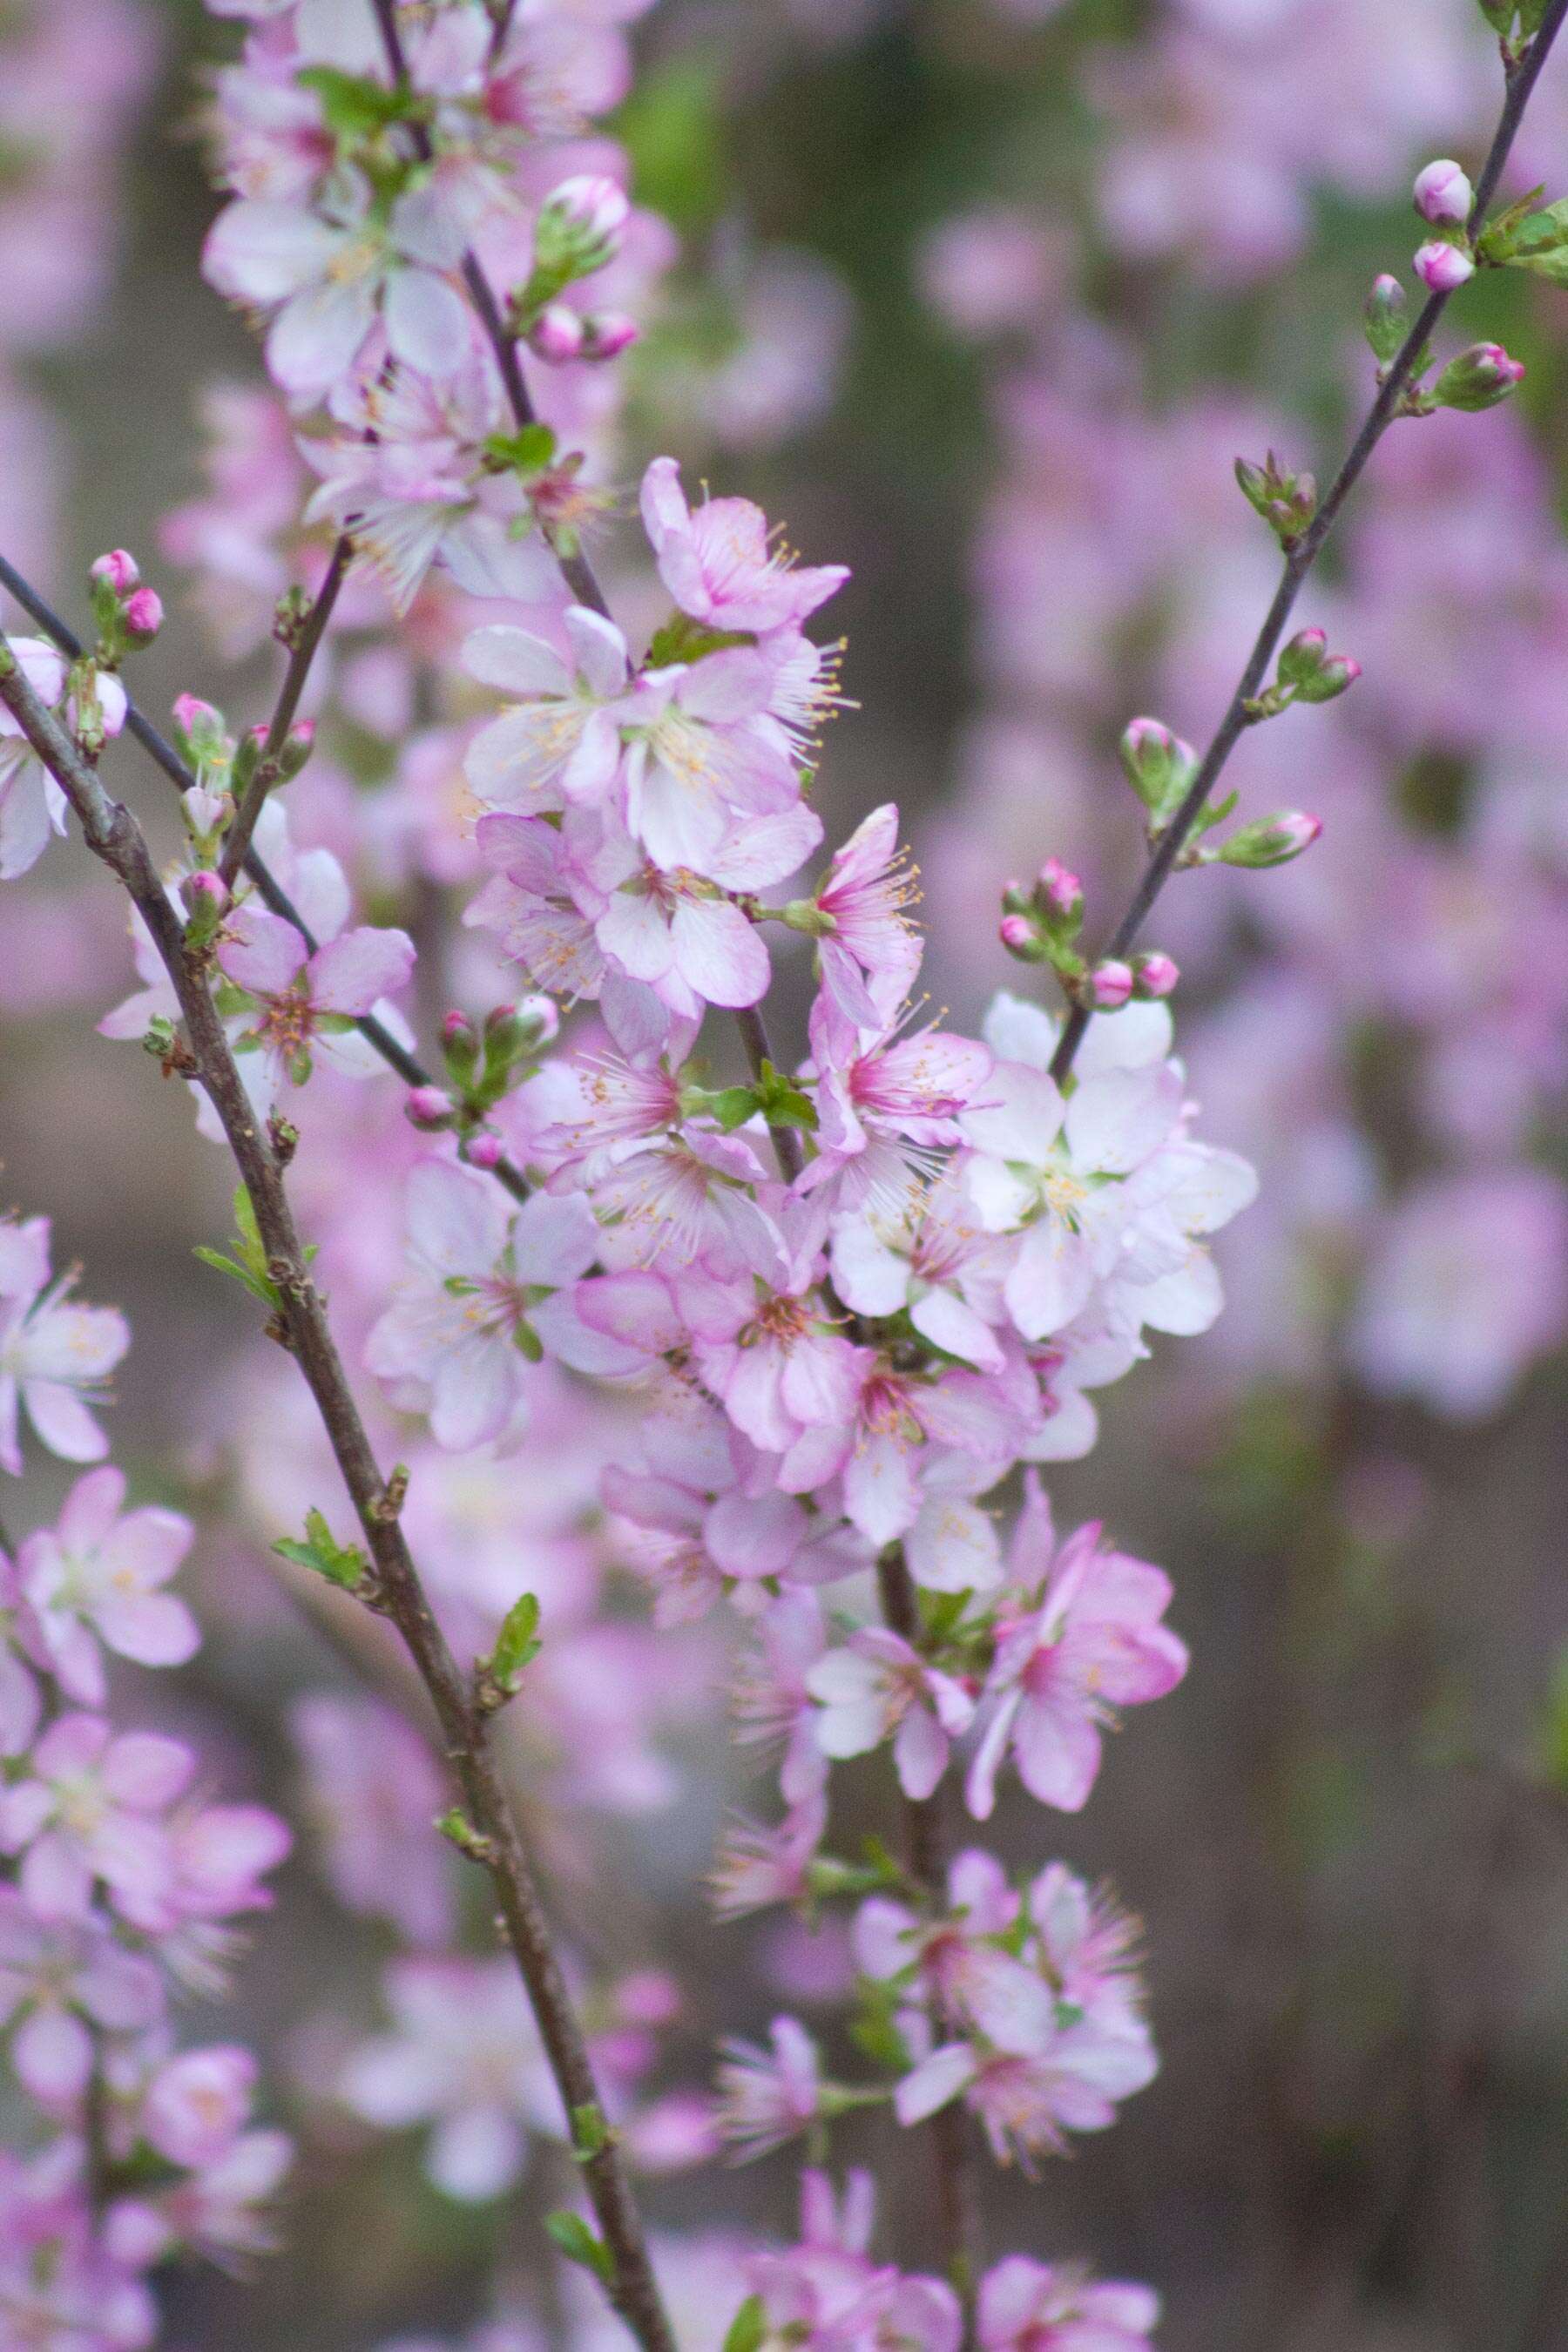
<point x="1090" y="1642"/>
<point x="717" y="564"/>
<point x="935" y="1262"/>
<point x="768" y="2095"/>
<point x="559" y="742"/>
<point x="827" y="2295"/>
<point x="96" y="1576"/>
<point x="885" y="1107"/>
<point x="1029" y="2306"/>
<point x="91" y="1811"/>
<point x="868" y="952"/>
<point x="1028" y="2101"/>
<point x="60" y="1978"/>
<point x="876" y="1687"/>
<point x="703" y="753"/>
<point x="532" y="904"/>
<point x="309" y="1003"/>
<point x="195" y="2106"/>
<point x="456" y="1341"/>
<point x="464" y="2057"/>
<point x="957" y="1963"/>
<point x="54" y="1356"/>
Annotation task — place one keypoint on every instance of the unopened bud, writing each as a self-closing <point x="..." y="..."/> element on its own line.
<point x="608" y="334"/>
<point x="1479" y="378"/>
<point x="1109" y="985"/>
<point x="539" y="1018"/>
<point x="1160" y="767"/>
<point x="1442" y="266"/>
<point x="205" y="898"/>
<point x="1020" y="938"/>
<point x="460" y="1046"/>
<point x="1442" y="196"/>
<point x="428" y="1109"/>
<point x="144" y="616"/>
<point x="118" y="569"/>
<point x="1385" y="317"/>
<point x="1316" y="674"/>
<point x="556" y="334"/>
<point x="295" y="750"/>
<point x="1270" y="840"/>
<point x="202" y="726"/>
<point x="1058" y="894"/>
<point x="1154" y="974"/>
<point x="485" y="1151"/>
<point x="579" y="226"/>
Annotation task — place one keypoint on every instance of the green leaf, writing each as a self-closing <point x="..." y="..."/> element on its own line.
<point x="356" y="107"/>
<point x="341" y="1564"/>
<point x="263" y="1290"/>
<point x="579" y="2245"/>
<point x="517" y="1644"/>
<point x="1538" y="244"/>
<point x="748" y="2330"/>
<point x="733" y="1107"/>
<point x="682" y="639"/>
<point x="530" y="449"/>
<point x="590" y="2132"/>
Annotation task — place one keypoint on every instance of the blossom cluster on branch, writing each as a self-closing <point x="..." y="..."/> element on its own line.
<point x="792" y="1328"/>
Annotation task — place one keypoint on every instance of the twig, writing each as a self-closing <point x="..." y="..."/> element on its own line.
<point x="1520" y="80"/>
<point x="394" y="1586"/>
<point x="268" y="770"/>
<point x="396" y="1055"/>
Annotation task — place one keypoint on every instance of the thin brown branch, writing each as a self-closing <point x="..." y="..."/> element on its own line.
<point x="268" y="770"/>
<point x="394" y="1586"/>
<point x="1520" y="80"/>
<point x="393" y="1051"/>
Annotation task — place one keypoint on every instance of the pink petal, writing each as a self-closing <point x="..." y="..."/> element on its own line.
<point x="350" y="973"/>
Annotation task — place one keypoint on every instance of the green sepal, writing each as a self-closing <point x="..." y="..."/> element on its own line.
<point x="682" y="639"/>
<point x="748" y="2331"/>
<point x="354" y="106"/>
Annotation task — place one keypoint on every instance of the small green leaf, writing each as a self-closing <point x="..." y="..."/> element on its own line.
<point x="517" y="1644"/>
<point x="579" y="2245"/>
<point x="354" y="106"/>
<point x="590" y="2132"/>
<point x="530" y="449"/>
<point x="749" y="2328"/>
<point x="341" y="1564"/>
<point x="263" y="1290"/>
<point x="733" y="1107"/>
<point x="682" y="639"/>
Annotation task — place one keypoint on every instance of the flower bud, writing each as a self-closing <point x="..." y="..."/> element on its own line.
<point x="460" y="1046"/>
<point x="1479" y="378"/>
<point x="1109" y="985"/>
<point x="579" y="226"/>
<point x="205" y="898"/>
<point x="201" y="725"/>
<point x="1387" y="317"/>
<point x="1159" y="765"/>
<point x="1315" y="674"/>
<point x="1443" y="194"/>
<point x="485" y="1149"/>
<point x="428" y="1109"/>
<point x="1270" y="840"/>
<point x="1154" y="974"/>
<point x="1442" y="266"/>
<point x="540" y="1017"/>
<point x="118" y="569"/>
<point x="1020" y="938"/>
<point x="144" y="616"/>
<point x="297" y="748"/>
<point x="1059" y="895"/>
<point x="556" y="334"/>
<point x="608" y="334"/>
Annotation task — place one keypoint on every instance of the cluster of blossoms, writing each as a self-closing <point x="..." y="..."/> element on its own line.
<point x="117" y="1882"/>
<point x="795" y="1341"/>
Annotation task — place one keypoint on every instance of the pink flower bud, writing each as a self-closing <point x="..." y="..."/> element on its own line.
<point x="120" y="569"/>
<point x="1109" y="985"/>
<point x="591" y="205"/>
<point x="485" y="1151"/>
<point x="428" y="1109"/>
<point x="1154" y="974"/>
<point x="456" y="1025"/>
<point x="206" y="891"/>
<point x="1058" y="890"/>
<point x="192" y="714"/>
<point x="608" y="334"/>
<point x="1016" y="933"/>
<point x="540" y="1016"/>
<point x="1442" y="266"/>
<point x="556" y="334"/>
<point x="1442" y="196"/>
<point x="144" y="616"/>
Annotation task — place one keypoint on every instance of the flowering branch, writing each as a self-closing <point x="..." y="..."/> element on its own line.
<point x="1521" y="71"/>
<point x="391" y="1583"/>
<point x="273" y="766"/>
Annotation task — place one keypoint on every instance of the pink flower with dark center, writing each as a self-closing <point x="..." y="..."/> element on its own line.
<point x="54" y="1356"/>
<point x="878" y="1688"/>
<point x="309" y="1003"/>
<point x="96" y="1577"/>
<point x="868" y="952"/>
<point x="767" y="2096"/>
<point x="1029" y="2306"/>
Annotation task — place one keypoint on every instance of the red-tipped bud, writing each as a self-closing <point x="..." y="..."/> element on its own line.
<point x="1154" y="974"/>
<point x="1059" y="893"/>
<point x="1479" y="378"/>
<point x="1159" y="765"/>
<point x="1019" y="937"/>
<point x="556" y="334"/>
<point x="428" y="1109"/>
<point x="118" y="569"/>
<point x="540" y="1017"/>
<point x="204" y="889"/>
<point x="1272" y="840"/>
<point x="485" y="1151"/>
<point x="1108" y="985"/>
<point x="143" y="615"/>
<point x="608" y="334"/>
